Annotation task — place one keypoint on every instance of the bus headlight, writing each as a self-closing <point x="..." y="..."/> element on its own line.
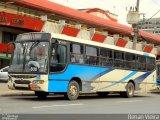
<point x="38" y="81"/>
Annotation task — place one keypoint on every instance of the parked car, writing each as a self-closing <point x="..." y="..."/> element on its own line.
<point x="4" y="74"/>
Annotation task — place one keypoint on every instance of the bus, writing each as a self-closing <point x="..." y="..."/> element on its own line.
<point x="158" y="72"/>
<point x="54" y="63"/>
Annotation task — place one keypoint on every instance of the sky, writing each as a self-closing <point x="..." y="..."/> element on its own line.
<point x="119" y="7"/>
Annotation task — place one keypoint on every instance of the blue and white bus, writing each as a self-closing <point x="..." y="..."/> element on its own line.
<point x="54" y="63"/>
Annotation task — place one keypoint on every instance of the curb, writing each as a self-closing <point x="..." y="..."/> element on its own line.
<point x="5" y="91"/>
<point x="17" y="93"/>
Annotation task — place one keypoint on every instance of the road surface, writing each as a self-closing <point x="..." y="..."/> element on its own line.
<point x="90" y="104"/>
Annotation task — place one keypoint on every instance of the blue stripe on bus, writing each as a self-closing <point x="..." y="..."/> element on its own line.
<point x="158" y="82"/>
<point x="122" y="80"/>
<point x="102" y="73"/>
<point x="86" y="73"/>
<point x="140" y="79"/>
<point x="58" y="82"/>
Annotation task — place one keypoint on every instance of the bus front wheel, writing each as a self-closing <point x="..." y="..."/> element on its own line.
<point x="73" y="91"/>
<point x="129" y="91"/>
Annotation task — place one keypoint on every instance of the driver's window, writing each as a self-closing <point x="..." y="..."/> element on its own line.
<point x="61" y="54"/>
<point x="58" y="58"/>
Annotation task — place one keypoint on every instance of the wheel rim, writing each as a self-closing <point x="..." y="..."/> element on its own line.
<point x="130" y="90"/>
<point x="73" y="91"/>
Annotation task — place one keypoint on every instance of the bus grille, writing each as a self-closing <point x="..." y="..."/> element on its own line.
<point x="23" y="76"/>
<point x="22" y="81"/>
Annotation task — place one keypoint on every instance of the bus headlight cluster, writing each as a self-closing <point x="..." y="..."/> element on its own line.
<point x="38" y="81"/>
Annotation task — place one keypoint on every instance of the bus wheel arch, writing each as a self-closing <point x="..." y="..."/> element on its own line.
<point x="133" y="83"/>
<point x="130" y="88"/>
<point x="79" y="81"/>
<point x="74" y="87"/>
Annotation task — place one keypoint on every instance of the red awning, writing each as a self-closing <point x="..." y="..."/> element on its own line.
<point x="61" y="10"/>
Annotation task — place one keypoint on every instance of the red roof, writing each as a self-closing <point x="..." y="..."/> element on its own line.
<point x="110" y="26"/>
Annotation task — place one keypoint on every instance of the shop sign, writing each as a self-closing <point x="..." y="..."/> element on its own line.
<point x="20" y="21"/>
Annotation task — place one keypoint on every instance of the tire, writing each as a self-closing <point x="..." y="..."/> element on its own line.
<point x="73" y="91"/>
<point x="129" y="92"/>
<point x="103" y="94"/>
<point x="41" y="95"/>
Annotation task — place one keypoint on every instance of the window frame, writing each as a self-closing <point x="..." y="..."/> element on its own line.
<point x="134" y="67"/>
<point x="109" y="57"/>
<point x="82" y="50"/>
<point x="97" y="56"/>
<point x="55" y="41"/>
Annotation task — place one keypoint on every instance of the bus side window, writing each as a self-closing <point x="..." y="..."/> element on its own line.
<point x="150" y="63"/>
<point x="58" y="58"/>
<point x="62" y="54"/>
<point x="105" y="57"/>
<point x="130" y="61"/>
<point x="141" y="65"/>
<point x="117" y="59"/>
<point x="76" y="53"/>
<point x="91" y="55"/>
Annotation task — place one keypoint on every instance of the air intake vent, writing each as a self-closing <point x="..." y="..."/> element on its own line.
<point x="22" y="81"/>
<point x="23" y="76"/>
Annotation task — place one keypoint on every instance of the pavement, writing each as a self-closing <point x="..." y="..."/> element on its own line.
<point x="5" y="91"/>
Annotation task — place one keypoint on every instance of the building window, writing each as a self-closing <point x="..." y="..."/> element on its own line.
<point x="8" y="37"/>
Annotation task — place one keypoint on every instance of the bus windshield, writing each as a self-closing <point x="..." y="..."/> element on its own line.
<point x="30" y="57"/>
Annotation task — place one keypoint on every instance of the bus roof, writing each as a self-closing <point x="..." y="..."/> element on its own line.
<point x="89" y="42"/>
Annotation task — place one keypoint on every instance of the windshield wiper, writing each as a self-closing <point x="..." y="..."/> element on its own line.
<point x="24" y="55"/>
<point x="33" y="46"/>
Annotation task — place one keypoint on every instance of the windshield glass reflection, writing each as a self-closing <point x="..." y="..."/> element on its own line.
<point x="30" y="57"/>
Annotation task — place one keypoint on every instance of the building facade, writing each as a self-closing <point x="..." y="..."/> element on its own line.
<point x="20" y="16"/>
<point x="15" y="20"/>
<point x="150" y="25"/>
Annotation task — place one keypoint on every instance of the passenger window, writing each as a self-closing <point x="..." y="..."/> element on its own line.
<point x="76" y="53"/>
<point x="150" y="63"/>
<point x="118" y="59"/>
<point x="141" y="63"/>
<point x="91" y="55"/>
<point x="105" y="57"/>
<point x="130" y="61"/>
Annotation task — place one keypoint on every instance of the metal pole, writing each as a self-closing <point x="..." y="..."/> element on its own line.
<point x="135" y="27"/>
<point x="137" y="6"/>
